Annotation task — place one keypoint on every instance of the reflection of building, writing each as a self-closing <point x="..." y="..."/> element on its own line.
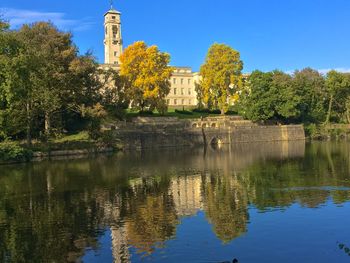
<point x="182" y="92"/>
<point x="186" y="192"/>
<point x="120" y="248"/>
<point x="119" y="236"/>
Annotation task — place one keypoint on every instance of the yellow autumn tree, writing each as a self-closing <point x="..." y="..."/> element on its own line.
<point x="147" y="76"/>
<point x="221" y="77"/>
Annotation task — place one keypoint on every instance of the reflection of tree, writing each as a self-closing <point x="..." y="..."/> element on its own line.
<point x="151" y="215"/>
<point x="46" y="224"/>
<point x="50" y="212"/>
<point x="225" y="204"/>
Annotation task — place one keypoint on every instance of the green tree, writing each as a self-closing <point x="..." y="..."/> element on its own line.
<point x="221" y="76"/>
<point x="113" y="93"/>
<point x="338" y="91"/>
<point x="269" y="96"/>
<point x="309" y="85"/>
<point x="43" y="77"/>
<point x="147" y="75"/>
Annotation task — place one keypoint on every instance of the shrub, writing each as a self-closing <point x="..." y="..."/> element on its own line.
<point x="184" y="112"/>
<point x="12" y="151"/>
<point x="201" y="110"/>
<point x="146" y="113"/>
<point x="207" y="111"/>
<point x="311" y="130"/>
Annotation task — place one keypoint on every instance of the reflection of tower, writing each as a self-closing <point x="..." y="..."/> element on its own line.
<point x="113" y="37"/>
<point x="120" y="249"/>
<point x="186" y="192"/>
<point x="120" y="245"/>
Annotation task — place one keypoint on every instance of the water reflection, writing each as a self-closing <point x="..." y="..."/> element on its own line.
<point x="55" y="211"/>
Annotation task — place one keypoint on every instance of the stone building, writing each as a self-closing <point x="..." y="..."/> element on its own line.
<point x="182" y="93"/>
<point x="113" y="41"/>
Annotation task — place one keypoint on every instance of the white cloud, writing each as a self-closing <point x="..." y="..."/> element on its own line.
<point x="18" y="17"/>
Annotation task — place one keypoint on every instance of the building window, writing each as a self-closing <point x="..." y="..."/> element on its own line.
<point x="189" y="91"/>
<point x="106" y="30"/>
<point x="189" y="81"/>
<point x="115" y="31"/>
<point x="182" y="81"/>
<point x="174" y="91"/>
<point x="174" y="80"/>
<point x="115" y="53"/>
<point x="190" y="102"/>
<point x="113" y="17"/>
<point x="183" y="102"/>
<point x="168" y="101"/>
<point x="175" y="101"/>
<point x="182" y="91"/>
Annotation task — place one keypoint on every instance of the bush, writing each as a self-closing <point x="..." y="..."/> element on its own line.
<point x="12" y="151"/>
<point x="146" y="113"/>
<point x="201" y="110"/>
<point x="207" y="111"/>
<point x="184" y="112"/>
<point x="311" y="130"/>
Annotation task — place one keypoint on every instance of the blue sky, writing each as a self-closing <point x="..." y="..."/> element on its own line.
<point x="270" y="34"/>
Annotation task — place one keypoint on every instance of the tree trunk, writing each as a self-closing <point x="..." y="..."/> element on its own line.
<point x="47" y="124"/>
<point x="29" y="125"/>
<point x="329" y="110"/>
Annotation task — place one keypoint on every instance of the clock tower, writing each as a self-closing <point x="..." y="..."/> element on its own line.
<point x="113" y="37"/>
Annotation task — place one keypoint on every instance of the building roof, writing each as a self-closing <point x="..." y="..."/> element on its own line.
<point x="112" y="11"/>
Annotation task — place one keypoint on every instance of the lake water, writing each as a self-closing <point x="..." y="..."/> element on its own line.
<point x="266" y="202"/>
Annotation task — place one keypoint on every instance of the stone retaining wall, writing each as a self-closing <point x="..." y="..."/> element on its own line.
<point x="172" y="132"/>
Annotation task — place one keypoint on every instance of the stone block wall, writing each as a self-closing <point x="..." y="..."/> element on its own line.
<point x="172" y="132"/>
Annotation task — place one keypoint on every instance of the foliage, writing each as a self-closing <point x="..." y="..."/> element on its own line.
<point x="12" y="151"/>
<point x="45" y="80"/>
<point x="309" y="86"/>
<point x="113" y="94"/>
<point x="338" y="94"/>
<point x="146" y="74"/>
<point x="269" y="96"/>
<point x="184" y="112"/>
<point x="95" y="115"/>
<point x="221" y="77"/>
<point x="207" y="111"/>
<point x="304" y="97"/>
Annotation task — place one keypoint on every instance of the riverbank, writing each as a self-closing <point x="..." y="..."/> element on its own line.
<point x="154" y="132"/>
<point x="68" y="146"/>
<point x="327" y="132"/>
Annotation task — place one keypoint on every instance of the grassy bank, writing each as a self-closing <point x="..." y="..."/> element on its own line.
<point x="15" y="151"/>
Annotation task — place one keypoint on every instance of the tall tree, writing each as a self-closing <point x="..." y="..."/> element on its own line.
<point x="338" y="90"/>
<point x="221" y="76"/>
<point x="147" y="75"/>
<point x="269" y="96"/>
<point x="55" y="53"/>
<point x="43" y="75"/>
<point x="309" y="85"/>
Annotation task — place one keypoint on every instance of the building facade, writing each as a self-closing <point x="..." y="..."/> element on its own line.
<point x="183" y="81"/>
<point x="113" y="42"/>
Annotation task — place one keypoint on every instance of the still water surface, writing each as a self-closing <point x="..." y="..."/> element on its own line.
<point x="267" y="202"/>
